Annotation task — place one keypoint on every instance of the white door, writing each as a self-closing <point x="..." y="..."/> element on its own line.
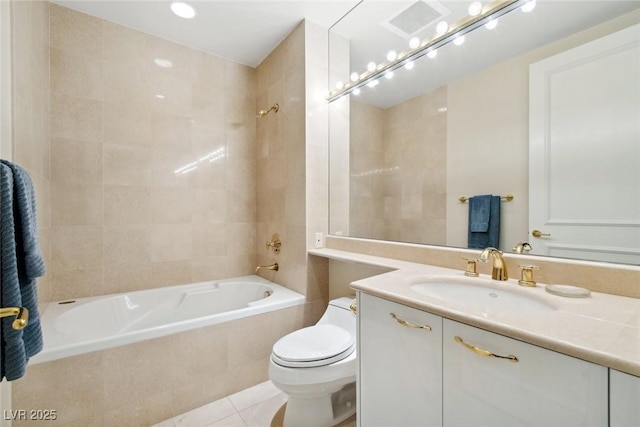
<point x="584" y="155"/>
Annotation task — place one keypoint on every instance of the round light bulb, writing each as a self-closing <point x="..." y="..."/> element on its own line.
<point x="458" y="40"/>
<point x="528" y="6"/>
<point x="354" y="76"/>
<point x="371" y="67"/>
<point x="392" y="55"/>
<point x="491" y="24"/>
<point x="409" y="65"/>
<point x="388" y="74"/>
<point x="414" y="42"/>
<point x="183" y="10"/>
<point x="475" y="8"/>
<point x="432" y="54"/>
<point x="356" y="91"/>
<point x="442" y="28"/>
<point x="339" y="85"/>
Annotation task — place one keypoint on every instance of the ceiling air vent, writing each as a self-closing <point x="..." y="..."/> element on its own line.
<point x="415" y="18"/>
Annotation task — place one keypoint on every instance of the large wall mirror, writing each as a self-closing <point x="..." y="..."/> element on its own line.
<point x="544" y="107"/>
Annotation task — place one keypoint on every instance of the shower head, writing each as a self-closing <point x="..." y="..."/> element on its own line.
<point x="262" y="113"/>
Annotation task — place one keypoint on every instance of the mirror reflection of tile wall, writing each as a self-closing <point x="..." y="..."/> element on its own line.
<point x="398" y="169"/>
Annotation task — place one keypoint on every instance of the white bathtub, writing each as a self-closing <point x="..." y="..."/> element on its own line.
<point x="89" y="324"/>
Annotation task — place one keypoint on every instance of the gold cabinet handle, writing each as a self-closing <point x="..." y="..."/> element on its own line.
<point x="21" y="314"/>
<point x="538" y="233"/>
<point x="409" y="324"/>
<point x="482" y="352"/>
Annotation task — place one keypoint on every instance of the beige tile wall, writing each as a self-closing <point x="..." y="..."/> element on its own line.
<point x="366" y="155"/>
<point x="31" y="126"/>
<point x="280" y="187"/>
<point x="281" y="169"/>
<point x="144" y="383"/>
<point x="122" y="220"/>
<point x="316" y="52"/>
<point x="339" y="135"/>
<point x="415" y="140"/>
<point x="123" y="217"/>
<point x="398" y="169"/>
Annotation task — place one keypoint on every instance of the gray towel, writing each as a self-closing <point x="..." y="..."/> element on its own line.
<point x="21" y="264"/>
<point x="484" y="222"/>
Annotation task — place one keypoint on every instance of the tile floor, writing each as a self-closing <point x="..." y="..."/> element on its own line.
<point x="253" y="407"/>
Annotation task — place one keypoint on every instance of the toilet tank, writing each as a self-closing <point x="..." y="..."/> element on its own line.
<point x="339" y="314"/>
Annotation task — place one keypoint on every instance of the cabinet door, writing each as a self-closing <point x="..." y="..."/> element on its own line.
<point x="543" y="388"/>
<point x="624" y="399"/>
<point x="400" y="367"/>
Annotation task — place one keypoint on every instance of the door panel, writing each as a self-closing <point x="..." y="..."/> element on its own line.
<point x="585" y="150"/>
<point x="542" y="389"/>
<point x="400" y="376"/>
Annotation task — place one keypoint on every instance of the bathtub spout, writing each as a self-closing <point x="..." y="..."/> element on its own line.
<point x="268" y="267"/>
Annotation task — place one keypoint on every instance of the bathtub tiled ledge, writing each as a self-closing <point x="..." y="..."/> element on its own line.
<point x="603" y="329"/>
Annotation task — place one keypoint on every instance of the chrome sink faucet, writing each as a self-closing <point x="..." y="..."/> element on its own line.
<point x="499" y="270"/>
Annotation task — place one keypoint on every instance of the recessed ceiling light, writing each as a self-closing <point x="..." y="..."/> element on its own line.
<point x="164" y="63"/>
<point x="528" y="6"/>
<point x="490" y="25"/>
<point x="183" y="10"/>
<point x="475" y="8"/>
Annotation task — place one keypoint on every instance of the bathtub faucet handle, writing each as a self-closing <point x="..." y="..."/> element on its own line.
<point x="274" y="244"/>
<point x="274" y="267"/>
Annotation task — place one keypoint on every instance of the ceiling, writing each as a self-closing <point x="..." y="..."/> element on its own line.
<point x="246" y="31"/>
<point x="516" y="34"/>
<point x="241" y="31"/>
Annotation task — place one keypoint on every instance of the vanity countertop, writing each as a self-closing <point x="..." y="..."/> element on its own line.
<point x="602" y="328"/>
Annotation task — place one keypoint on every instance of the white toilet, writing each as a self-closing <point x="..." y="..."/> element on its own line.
<point x="316" y="368"/>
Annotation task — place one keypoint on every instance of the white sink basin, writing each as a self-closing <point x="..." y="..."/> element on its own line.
<point x="474" y="292"/>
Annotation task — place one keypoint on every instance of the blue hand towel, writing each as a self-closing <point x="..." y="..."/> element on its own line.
<point x="21" y="264"/>
<point x="479" y="210"/>
<point x="484" y="222"/>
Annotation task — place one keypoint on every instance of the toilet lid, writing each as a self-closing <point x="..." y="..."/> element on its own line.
<point x="313" y="346"/>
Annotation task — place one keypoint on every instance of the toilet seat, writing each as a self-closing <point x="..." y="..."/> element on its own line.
<point x="318" y="345"/>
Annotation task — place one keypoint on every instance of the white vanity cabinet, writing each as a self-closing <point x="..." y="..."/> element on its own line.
<point x="410" y="377"/>
<point x="624" y="399"/>
<point x="400" y="365"/>
<point x="492" y="380"/>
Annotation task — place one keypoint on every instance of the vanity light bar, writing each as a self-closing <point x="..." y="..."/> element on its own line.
<point x="465" y="25"/>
